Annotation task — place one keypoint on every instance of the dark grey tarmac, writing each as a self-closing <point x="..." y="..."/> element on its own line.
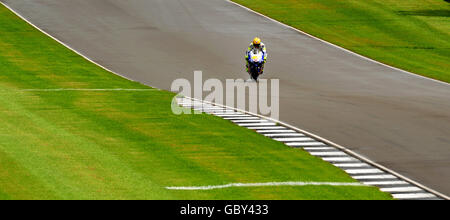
<point x="396" y="119"/>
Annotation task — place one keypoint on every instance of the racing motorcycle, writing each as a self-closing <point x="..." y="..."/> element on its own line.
<point x="255" y="63"/>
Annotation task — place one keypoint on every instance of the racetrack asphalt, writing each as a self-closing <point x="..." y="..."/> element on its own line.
<point x="398" y="120"/>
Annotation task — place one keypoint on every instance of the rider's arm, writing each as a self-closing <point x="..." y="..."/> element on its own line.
<point x="248" y="51"/>
<point x="264" y="52"/>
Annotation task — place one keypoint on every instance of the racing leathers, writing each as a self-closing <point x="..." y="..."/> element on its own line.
<point x="260" y="47"/>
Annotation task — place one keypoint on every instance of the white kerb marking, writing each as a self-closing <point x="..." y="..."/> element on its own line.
<point x="228" y="115"/>
<point x="190" y="103"/>
<point x="240" y="118"/>
<point x="194" y="106"/>
<point x="284" y="135"/>
<point x="268" y="128"/>
<point x="276" y="131"/>
<point x="401" y="189"/>
<point x="207" y="108"/>
<point x="318" y="148"/>
<point x="338" y="159"/>
<point x="227" y="112"/>
<point x="363" y="171"/>
<point x="333" y="153"/>
<point x="384" y="176"/>
<point x="304" y="144"/>
<point x="294" y="139"/>
<point x="197" y="105"/>
<point x="413" y="196"/>
<point x="249" y="121"/>
<point x="257" y="124"/>
<point x="199" y="109"/>
<point x="394" y="182"/>
<point x="348" y="165"/>
<point x="210" y="110"/>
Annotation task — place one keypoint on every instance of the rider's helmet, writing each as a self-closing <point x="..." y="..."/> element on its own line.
<point x="256" y="42"/>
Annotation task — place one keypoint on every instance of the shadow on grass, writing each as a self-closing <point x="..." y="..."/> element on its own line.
<point x="429" y="13"/>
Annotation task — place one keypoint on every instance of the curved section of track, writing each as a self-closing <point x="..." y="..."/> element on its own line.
<point x="358" y="167"/>
<point x="395" y="119"/>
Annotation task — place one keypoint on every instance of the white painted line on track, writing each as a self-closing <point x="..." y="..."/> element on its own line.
<point x="402" y="189"/>
<point x="86" y="90"/>
<point x="335" y="153"/>
<point x="294" y="139"/>
<point x="413" y="196"/>
<point x="262" y="185"/>
<point x="363" y="171"/>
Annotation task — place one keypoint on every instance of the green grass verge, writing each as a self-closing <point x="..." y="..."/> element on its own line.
<point x="410" y="34"/>
<point x="128" y="144"/>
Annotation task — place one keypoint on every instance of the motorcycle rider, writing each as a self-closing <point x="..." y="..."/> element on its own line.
<point x="256" y="44"/>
